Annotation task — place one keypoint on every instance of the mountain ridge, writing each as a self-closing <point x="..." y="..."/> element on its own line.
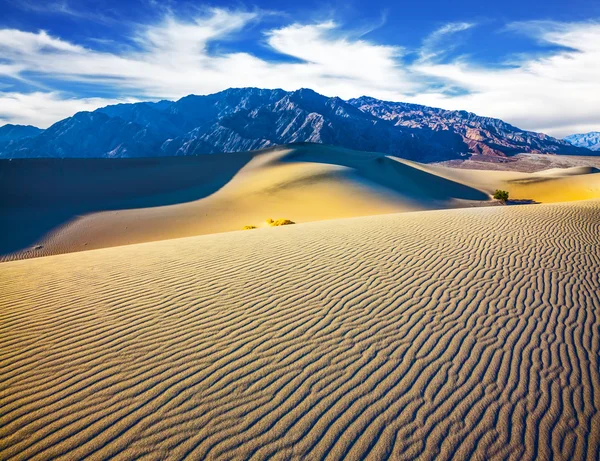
<point x="589" y="140"/>
<point x="240" y="119"/>
<point x="10" y="133"/>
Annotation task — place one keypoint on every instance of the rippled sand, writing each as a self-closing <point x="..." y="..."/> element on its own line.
<point x="465" y="334"/>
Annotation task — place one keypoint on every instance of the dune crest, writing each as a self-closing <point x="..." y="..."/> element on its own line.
<point x="465" y="334"/>
<point x="76" y="205"/>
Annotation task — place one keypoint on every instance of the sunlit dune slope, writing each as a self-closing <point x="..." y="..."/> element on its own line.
<point x="463" y="334"/>
<point x="78" y="205"/>
<point x="547" y="186"/>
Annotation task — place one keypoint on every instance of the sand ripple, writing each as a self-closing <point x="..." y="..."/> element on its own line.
<point x="464" y="334"/>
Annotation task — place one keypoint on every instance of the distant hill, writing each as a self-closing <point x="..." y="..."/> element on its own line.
<point x="589" y="140"/>
<point x="250" y="118"/>
<point x="10" y="133"/>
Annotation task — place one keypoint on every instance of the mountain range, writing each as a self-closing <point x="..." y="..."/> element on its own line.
<point x="241" y="119"/>
<point x="589" y="140"/>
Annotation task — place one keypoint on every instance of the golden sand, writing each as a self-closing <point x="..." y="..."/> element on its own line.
<point x="464" y="334"/>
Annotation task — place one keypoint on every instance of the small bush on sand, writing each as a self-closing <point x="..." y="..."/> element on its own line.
<point x="501" y="195"/>
<point x="279" y="222"/>
<point x="248" y="227"/>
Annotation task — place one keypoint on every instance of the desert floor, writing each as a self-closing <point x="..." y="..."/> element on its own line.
<point x="53" y="206"/>
<point x="529" y="163"/>
<point x="462" y="333"/>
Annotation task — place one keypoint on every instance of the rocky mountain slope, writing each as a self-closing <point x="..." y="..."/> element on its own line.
<point x="482" y="135"/>
<point x="589" y="140"/>
<point x="251" y="118"/>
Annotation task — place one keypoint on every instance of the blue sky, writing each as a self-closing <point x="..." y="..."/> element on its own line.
<point x="533" y="64"/>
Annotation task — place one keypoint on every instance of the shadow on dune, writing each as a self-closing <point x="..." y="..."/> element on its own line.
<point x="39" y="195"/>
<point x="389" y="172"/>
<point x="418" y="182"/>
<point x="522" y="202"/>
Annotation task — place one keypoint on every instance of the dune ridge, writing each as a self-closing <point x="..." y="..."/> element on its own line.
<point x="454" y="334"/>
<point x="81" y="204"/>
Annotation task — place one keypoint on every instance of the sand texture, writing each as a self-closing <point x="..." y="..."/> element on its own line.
<point x="53" y="206"/>
<point x="453" y="334"/>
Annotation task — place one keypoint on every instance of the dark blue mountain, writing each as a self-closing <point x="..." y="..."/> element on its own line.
<point x="88" y="134"/>
<point x="11" y="133"/>
<point x="250" y="118"/>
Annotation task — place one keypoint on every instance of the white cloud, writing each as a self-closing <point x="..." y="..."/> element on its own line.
<point x="172" y="60"/>
<point x="558" y="93"/>
<point x="17" y="44"/>
<point x="43" y="109"/>
<point x="331" y="60"/>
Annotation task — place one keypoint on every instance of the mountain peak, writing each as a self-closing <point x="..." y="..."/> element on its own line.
<point x="11" y="126"/>
<point x="252" y="118"/>
<point x="306" y="91"/>
<point x="589" y="140"/>
<point x="10" y="133"/>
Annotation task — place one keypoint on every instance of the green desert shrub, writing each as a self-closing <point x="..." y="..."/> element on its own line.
<point x="501" y="195"/>
<point x="248" y="227"/>
<point x="279" y="222"/>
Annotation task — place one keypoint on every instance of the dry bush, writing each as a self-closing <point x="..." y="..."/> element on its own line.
<point x="279" y="222"/>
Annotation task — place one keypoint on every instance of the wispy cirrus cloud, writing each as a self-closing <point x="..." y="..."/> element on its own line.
<point x="556" y="92"/>
<point x="440" y="41"/>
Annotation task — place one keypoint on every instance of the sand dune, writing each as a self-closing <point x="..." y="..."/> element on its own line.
<point x="571" y="171"/>
<point x="60" y="206"/>
<point x="547" y="186"/>
<point x="528" y="163"/>
<point x="465" y="334"/>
